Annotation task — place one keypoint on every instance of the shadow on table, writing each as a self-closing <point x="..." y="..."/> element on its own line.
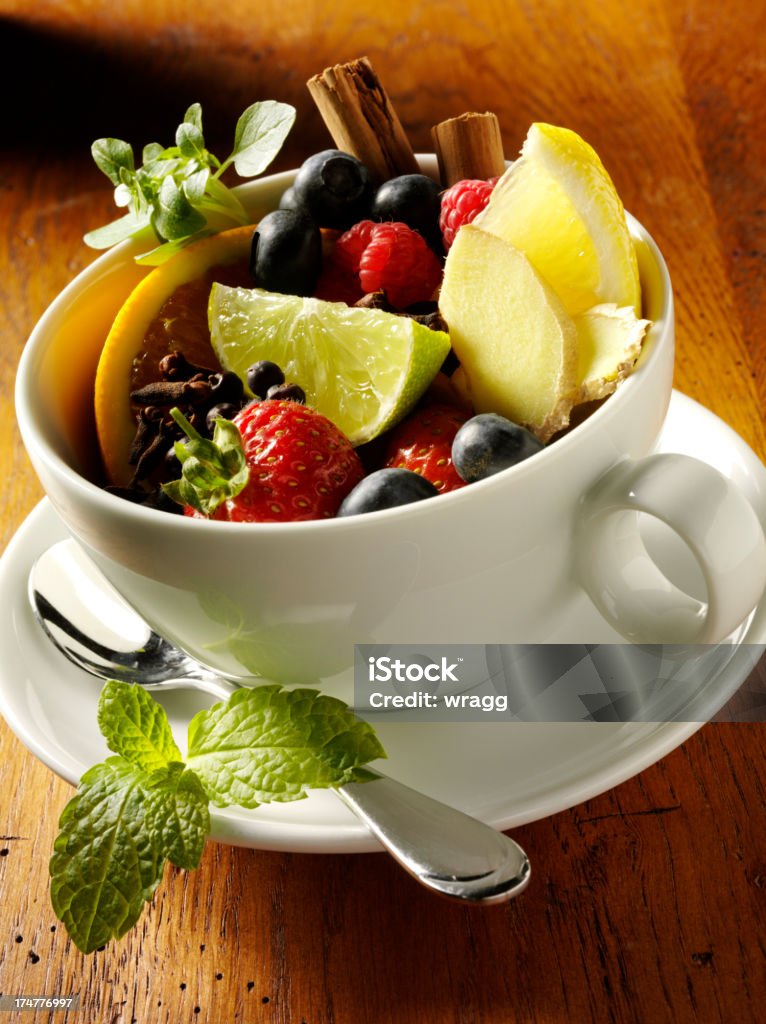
<point x="77" y="86"/>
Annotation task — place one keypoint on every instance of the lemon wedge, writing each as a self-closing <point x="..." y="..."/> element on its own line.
<point x="361" y="368"/>
<point x="558" y="205"/>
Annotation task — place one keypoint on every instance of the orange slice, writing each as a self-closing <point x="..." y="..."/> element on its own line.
<point x="167" y="310"/>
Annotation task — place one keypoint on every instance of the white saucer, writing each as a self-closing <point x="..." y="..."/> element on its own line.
<point x="507" y="774"/>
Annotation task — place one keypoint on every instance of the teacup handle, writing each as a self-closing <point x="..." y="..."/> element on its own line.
<point x="713" y="518"/>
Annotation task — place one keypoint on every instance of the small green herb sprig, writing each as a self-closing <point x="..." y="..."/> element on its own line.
<point x="145" y="806"/>
<point x="177" y="195"/>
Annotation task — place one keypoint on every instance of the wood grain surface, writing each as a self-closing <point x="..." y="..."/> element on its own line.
<point x="648" y="904"/>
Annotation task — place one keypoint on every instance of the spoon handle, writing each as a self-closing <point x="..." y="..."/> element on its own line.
<point x="445" y="850"/>
<point x="216" y="686"/>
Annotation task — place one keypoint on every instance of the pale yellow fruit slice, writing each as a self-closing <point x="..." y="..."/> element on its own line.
<point x="609" y="343"/>
<point x="558" y="205"/>
<point x="364" y="369"/>
<point x="516" y="343"/>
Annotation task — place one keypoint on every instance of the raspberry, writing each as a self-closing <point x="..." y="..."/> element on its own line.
<point x="461" y="204"/>
<point x="389" y="256"/>
<point x="349" y="248"/>
<point x="334" y="285"/>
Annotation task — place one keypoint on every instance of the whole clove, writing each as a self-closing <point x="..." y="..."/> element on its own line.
<point x="375" y="300"/>
<point x="149" y="419"/>
<point x="169" y="392"/>
<point x="175" y="366"/>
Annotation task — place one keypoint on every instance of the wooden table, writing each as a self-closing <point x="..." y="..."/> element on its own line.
<point x="647" y="903"/>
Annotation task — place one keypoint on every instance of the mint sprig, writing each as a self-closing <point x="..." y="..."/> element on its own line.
<point x="278" y="743"/>
<point x="106" y="862"/>
<point x="136" y="727"/>
<point x="177" y="194"/>
<point x="211" y="471"/>
<point x="144" y="806"/>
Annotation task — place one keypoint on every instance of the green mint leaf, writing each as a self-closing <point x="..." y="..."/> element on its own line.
<point x="259" y="135"/>
<point x="105" y="864"/>
<point x="194" y="116"/>
<point x="161" y="253"/>
<point x="173" y="215"/>
<point x="136" y="726"/>
<point x="112" y="155"/>
<point x="117" y="231"/>
<point x="151" y="175"/>
<point x="224" y="201"/>
<point x="267" y="743"/>
<point x="212" y="471"/>
<point x="189" y="140"/>
<point x="127" y="177"/>
<point x="151" y="151"/>
<point x="179" y="815"/>
<point x="194" y="185"/>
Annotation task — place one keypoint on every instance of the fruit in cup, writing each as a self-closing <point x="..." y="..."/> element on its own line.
<point x="362" y="368"/>
<point x="333" y="188"/>
<point x="412" y="199"/>
<point x="286" y="253"/>
<point x="276" y="462"/>
<point x="529" y="352"/>
<point x="389" y="257"/>
<point x="540" y="293"/>
<point x="488" y="443"/>
<point x="387" y="488"/>
<point x="422" y="443"/>
<point x="559" y="206"/>
<point x="262" y="376"/>
<point x="461" y="204"/>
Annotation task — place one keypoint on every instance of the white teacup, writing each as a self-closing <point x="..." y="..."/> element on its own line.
<point x="506" y="560"/>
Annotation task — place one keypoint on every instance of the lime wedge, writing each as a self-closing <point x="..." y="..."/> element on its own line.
<point x="558" y="205"/>
<point x="361" y="368"/>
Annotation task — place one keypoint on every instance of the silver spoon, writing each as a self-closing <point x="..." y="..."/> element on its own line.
<point x="94" y="626"/>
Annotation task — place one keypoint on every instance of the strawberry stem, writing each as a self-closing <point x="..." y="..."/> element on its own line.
<point x="211" y="471"/>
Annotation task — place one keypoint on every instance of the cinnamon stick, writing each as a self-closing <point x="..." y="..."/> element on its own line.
<point x="359" y="115"/>
<point x="468" y="146"/>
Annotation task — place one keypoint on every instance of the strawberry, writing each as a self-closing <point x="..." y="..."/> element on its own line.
<point x="423" y="443"/>
<point x="277" y="461"/>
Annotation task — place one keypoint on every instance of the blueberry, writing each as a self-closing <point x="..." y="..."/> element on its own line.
<point x="264" y="375"/>
<point x="287" y="393"/>
<point x="224" y="410"/>
<point x="414" y="199"/>
<point x="288" y="200"/>
<point x="286" y="254"/>
<point x="386" y="488"/>
<point x="334" y="188"/>
<point x="488" y="444"/>
<point x="226" y="387"/>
